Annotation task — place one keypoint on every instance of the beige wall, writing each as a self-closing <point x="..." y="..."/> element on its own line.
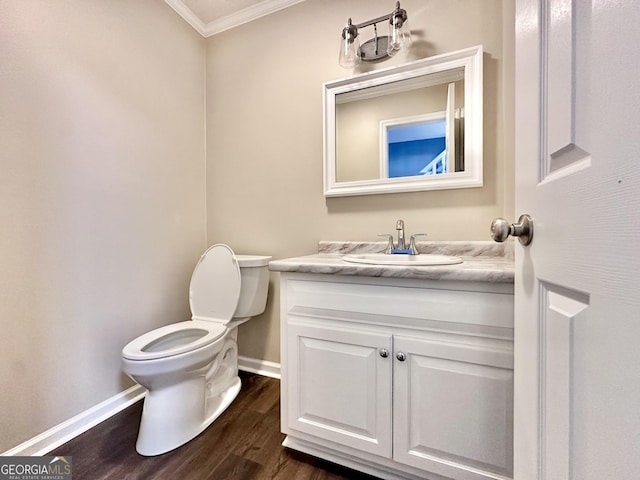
<point x="102" y="196"/>
<point x="264" y="136"/>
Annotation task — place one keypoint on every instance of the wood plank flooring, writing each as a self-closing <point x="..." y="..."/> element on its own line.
<point x="244" y="443"/>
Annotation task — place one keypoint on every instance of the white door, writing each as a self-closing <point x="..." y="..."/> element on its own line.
<point x="577" y="305"/>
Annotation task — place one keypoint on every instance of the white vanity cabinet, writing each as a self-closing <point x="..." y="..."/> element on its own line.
<point x="399" y="378"/>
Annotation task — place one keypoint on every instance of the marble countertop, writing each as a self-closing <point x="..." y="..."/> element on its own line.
<point x="481" y="261"/>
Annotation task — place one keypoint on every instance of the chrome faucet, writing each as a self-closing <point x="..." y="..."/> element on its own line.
<point x="401" y="246"/>
<point x="400" y="230"/>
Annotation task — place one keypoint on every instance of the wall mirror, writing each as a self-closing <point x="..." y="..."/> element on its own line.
<point x="417" y="126"/>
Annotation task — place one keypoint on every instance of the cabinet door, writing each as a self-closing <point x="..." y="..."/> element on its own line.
<point x="340" y="386"/>
<point x="453" y="408"/>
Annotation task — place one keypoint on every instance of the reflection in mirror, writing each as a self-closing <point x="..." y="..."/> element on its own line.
<point x="406" y="133"/>
<point x="406" y="128"/>
<point x="415" y="146"/>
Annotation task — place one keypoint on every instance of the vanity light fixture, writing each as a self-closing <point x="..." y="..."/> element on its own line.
<point x="351" y="53"/>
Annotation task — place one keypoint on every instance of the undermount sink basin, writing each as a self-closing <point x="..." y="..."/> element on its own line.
<point x="423" y="260"/>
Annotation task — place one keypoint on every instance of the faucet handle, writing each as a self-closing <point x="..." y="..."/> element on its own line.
<point x="412" y="243"/>
<point x="390" y="245"/>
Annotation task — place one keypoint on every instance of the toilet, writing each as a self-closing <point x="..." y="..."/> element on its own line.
<point x="190" y="368"/>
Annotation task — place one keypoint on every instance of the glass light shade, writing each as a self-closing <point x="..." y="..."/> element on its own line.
<point x="399" y="35"/>
<point x="349" y="47"/>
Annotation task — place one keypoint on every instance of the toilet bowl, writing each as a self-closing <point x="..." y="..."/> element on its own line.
<point x="190" y="368"/>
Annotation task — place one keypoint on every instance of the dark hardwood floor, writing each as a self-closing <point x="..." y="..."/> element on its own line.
<point x="244" y="443"/>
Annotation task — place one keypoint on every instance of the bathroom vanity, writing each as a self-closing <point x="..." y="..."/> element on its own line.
<point x="400" y="372"/>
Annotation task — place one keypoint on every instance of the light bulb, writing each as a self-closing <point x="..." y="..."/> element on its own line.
<point x="399" y="32"/>
<point x="349" y="46"/>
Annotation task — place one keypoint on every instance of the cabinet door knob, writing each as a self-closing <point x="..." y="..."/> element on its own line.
<point x="401" y="356"/>
<point x="384" y="353"/>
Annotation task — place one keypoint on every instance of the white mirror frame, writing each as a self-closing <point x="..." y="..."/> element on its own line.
<point x="436" y="67"/>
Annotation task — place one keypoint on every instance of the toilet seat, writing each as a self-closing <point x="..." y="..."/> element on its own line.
<point x="173" y="340"/>
<point x="214" y="292"/>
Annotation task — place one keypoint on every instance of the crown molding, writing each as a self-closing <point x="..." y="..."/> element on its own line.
<point x="246" y="15"/>
<point x="188" y="16"/>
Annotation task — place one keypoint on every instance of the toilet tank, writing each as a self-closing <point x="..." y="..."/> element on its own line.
<point x="254" y="277"/>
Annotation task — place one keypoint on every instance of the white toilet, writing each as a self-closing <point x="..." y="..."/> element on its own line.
<point x="191" y="368"/>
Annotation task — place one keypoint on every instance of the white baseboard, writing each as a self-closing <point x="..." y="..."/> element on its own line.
<point x="261" y="367"/>
<point x="65" y="431"/>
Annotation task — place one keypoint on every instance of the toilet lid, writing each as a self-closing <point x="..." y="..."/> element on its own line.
<point x="214" y="290"/>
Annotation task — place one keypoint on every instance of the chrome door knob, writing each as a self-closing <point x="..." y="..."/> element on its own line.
<point x="384" y="353"/>
<point x="501" y="229"/>
<point x="401" y="356"/>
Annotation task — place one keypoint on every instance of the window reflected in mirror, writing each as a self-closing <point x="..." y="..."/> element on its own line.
<point x="415" y="149"/>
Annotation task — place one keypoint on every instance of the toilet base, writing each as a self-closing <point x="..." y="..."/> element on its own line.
<point x="164" y="427"/>
<point x="175" y="413"/>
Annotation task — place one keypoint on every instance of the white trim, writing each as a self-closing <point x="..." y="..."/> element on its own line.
<point x="241" y="17"/>
<point x="260" y="367"/>
<point x="451" y="140"/>
<point x="71" y="428"/>
<point x="247" y="15"/>
<point x="188" y="16"/>
<point x="346" y="458"/>
<point x="406" y="85"/>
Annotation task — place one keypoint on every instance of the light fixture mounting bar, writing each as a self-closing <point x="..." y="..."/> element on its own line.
<point x="374" y="21"/>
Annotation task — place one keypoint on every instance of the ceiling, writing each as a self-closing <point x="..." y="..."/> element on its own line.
<point x="209" y="17"/>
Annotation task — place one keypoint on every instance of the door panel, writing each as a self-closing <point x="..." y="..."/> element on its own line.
<point x="561" y="310"/>
<point x="561" y="149"/>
